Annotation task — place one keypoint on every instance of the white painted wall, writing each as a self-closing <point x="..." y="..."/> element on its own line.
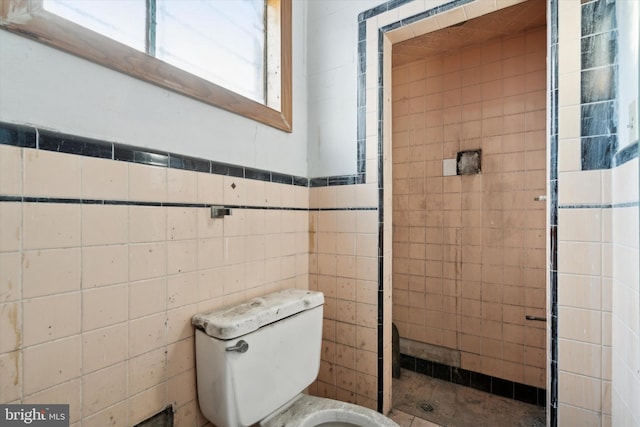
<point x="47" y="88"/>
<point x="332" y="59"/>
<point x="51" y="89"/>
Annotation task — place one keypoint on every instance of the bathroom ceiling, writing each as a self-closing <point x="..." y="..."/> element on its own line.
<point x="523" y="16"/>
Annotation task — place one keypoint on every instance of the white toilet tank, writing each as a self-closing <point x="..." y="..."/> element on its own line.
<point x="254" y="357"/>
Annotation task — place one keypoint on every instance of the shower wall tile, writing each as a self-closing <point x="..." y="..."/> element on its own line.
<point x="466" y="255"/>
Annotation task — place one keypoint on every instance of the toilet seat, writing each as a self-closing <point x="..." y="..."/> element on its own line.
<point x="312" y="411"/>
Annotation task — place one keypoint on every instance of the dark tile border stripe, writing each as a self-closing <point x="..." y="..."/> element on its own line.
<point x="78" y="201"/>
<point x="30" y="137"/>
<point x="600" y="205"/>
<point x="498" y="386"/>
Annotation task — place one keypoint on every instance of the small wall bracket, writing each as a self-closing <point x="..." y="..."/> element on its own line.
<point x="220" y="211"/>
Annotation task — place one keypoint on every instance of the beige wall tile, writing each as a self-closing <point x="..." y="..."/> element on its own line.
<point x="103" y="388"/>
<point x="572" y="257"/>
<point x="116" y="414"/>
<point x="104" y="306"/>
<point x="104" y="347"/>
<point x="580" y="358"/>
<point x="66" y="393"/>
<point x="147" y="261"/>
<point x="10" y="170"/>
<point x="104" y="179"/>
<point x="105" y="265"/>
<point x="10" y="279"/>
<point x="182" y="186"/>
<point x="147" y="183"/>
<point x="182" y="256"/>
<point x="147" y="297"/>
<point x="51" y="174"/>
<point x="51" y="363"/>
<point x="210" y="188"/>
<point x="569" y="116"/>
<point x="181" y="388"/>
<point x="580" y="291"/>
<point x="11" y="327"/>
<point x="147" y="224"/>
<point x="52" y="317"/>
<point x="11" y="379"/>
<point x="180" y="356"/>
<point x="234" y="191"/>
<point x="580" y="325"/>
<point x="147" y="370"/>
<point x="48" y="226"/>
<point x="274" y="194"/>
<point x="182" y="223"/>
<point x="104" y="224"/>
<point x="188" y="415"/>
<point x="581" y="392"/>
<point x="50" y="271"/>
<point x="11" y="226"/>
<point x="179" y="323"/>
<point x="147" y="403"/>
<point x="182" y="289"/>
<point x="147" y="333"/>
<point x="580" y="225"/>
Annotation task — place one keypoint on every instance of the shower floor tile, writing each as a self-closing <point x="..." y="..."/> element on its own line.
<point x="456" y="406"/>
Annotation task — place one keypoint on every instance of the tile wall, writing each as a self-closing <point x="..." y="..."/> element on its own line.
<point x="469" y="251"/>
<point x="587" y="141"/>
<point x="343" y="242"/>
<point x="96" y="297"/>
<point x="624" y="358"/>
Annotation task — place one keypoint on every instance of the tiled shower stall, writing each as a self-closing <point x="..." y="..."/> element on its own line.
<point x="469" y="250"/>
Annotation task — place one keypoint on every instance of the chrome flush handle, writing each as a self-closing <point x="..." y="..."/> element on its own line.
<point x="241" y="347"/>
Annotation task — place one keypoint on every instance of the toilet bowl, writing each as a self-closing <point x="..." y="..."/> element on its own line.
<point x="311" y="411"/>
<point x="254" y="360"/>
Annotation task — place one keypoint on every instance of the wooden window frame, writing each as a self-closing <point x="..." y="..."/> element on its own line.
<point x="29" y="19"/>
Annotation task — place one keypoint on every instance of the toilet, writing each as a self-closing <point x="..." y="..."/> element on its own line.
<point x="254" y="360"/>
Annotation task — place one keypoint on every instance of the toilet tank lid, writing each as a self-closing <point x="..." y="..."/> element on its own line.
<point x="234" y="321"/>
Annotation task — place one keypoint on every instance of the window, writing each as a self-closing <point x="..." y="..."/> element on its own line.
<point x="179" y="45"/>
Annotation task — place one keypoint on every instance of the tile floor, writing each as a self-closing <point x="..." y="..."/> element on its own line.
<point x="456" y="406"/>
